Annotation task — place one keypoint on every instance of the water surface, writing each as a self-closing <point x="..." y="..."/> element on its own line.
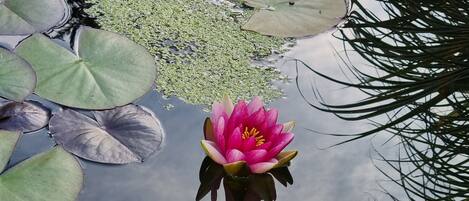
<point x="345" y="172"/>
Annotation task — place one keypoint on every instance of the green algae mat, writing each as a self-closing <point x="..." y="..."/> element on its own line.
<point x="201" y="50"/>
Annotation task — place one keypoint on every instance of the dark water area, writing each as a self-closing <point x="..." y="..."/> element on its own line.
<point x="351" y="171"/>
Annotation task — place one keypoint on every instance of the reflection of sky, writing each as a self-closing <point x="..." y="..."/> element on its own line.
<point x="340" y="173"/>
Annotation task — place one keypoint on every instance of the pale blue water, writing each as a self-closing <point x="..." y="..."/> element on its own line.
<point x="346" y="172"/>
<point x="341" y="173"/>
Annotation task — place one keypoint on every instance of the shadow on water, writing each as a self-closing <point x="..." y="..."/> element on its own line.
<point x="78" y="17"/>
<point x="418" y="81"/>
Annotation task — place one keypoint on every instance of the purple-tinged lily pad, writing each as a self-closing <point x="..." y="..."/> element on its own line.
<point x="27" y="116"/>
<point x="118" y="136"/>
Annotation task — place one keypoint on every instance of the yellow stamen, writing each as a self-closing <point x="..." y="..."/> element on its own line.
<point x="253" y="133"/>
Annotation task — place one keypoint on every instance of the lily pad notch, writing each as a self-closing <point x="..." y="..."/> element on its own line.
<point x="294" y="18"/>
<point x="110" y="69"/>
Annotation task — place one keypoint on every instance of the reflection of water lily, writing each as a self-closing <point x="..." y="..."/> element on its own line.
<point x="247" y="134"/>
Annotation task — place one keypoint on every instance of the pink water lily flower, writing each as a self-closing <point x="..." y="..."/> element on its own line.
<point x="247" y="134"/>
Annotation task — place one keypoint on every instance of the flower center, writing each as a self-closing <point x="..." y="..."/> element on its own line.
<point x="253" y="133"/>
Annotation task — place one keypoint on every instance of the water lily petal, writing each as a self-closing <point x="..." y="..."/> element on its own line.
<point x="255" y="104"/>
<point x="228" y="104"/>
<point x="285" y="157"/>
<point x="255" y="156"/>
<point x="288" y="127"/>
<point x="235" y="140"/>
<point x="218" y="111"/>
<point x="256" y="119"/>
<point x="249" y="144"/>
<point x="265" y="146"/>
<point x="210" y="148"/>
<point x="271" y="117"/>
<point x="241" y="106"/>
<point x="235" y="155"/>
<point x="237" y="116"/>
<point x="262" y="167"/>
<point x="273" y="132"/>
<point x="219" y="134"/>
<point x="280" y="143"/>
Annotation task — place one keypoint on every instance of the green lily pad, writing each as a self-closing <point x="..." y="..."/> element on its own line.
<point x="294" y="18"/>
<point x="24" y="17"/>
<point x="54" y="175"/>
<point x="8" y="142"/>
<point x="17" y="78"/>
<point x="105" y="71"/>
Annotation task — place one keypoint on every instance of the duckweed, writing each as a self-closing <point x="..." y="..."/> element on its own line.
<point x="201" y="51"/>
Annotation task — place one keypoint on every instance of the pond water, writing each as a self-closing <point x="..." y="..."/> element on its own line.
<point x="320" y="172"/>
<point x="345" y="172"/>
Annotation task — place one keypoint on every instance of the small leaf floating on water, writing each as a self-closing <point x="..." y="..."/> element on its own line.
<point x="294" y="18"/>
<point x="24" y="17"/>
<point x="27" y="116"/>
<point x="8" y="140"/>
<point x="118" y="136"/>
<point x="17" y="77"/>
<point x="54" y="175"/>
